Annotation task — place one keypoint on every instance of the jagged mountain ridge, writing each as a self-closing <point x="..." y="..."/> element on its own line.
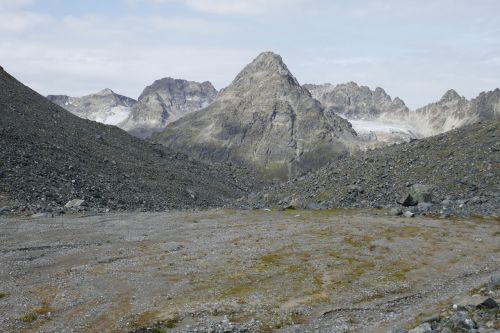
<point x="266" y="119"/>
<point x="374" y="115"/>
<point x="49" y="156"/>
<point x="451" y="111"/>
<point x="165" y="101"/>
<point x="105" y="107"/>
<point x="367" y="108"/>
<point x="454" y="111"/>
<point x="352" y="101"/>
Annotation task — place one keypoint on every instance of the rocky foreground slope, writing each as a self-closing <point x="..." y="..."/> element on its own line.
<point x="50" y="157"/>
<point x="105" y="107"/>
<point x="455" y="172"/>
<point x="265" y="119"/>
<point x="165" y="101"/>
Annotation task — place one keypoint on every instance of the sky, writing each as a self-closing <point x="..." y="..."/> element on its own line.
<point x="414" y="49"/>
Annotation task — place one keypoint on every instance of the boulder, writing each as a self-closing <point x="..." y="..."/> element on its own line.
<point x="407" y="200"/>
<point x="396" y="212"/>
<point x="462" y="322"/>
<point x="488" y="304"/>
<point x="421" y="193"/>
<point x="75" y="203"/>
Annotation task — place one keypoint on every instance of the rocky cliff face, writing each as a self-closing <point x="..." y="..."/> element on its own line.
<point x="454" y="111"/>
<point x="375" y="116"/>
<point x="105" y="107"/>
<point x="165" y="101"/>
<point x="352" y="101"/>
<point x="265" y="118"/>
<point x="451" y="111"/>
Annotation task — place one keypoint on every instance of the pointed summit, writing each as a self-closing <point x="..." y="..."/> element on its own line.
<point x="268" y="69"/>
<point x="268" y="61"/>
<point x="450" y="95"/>
<point x="264" y="119"/>
<point x="105" y="92"/>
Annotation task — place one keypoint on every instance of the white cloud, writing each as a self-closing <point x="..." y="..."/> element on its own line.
<point x="10" y="4"/>
<point x="20" y="21"/>
<point x="243" y="6"/>
<point x="239" y="7"/>
<point x="15" y="16"/>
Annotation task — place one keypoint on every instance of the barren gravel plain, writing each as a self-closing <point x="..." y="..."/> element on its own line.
<point x="237" y="271"/>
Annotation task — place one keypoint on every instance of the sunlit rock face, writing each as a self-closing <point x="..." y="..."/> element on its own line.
<point x="264" y="118"/>
<point x="165" y="101"/>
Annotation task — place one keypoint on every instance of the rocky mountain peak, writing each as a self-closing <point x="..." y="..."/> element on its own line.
<point x="105" y="106"/>
<point x="266" y="71"/>
<point x="450" y="95"/>
<point x="264" y="119"/>
<point x="165" y="101"/>
<point x="355" y="102"/>
<point x="105" y="92"/>
<point x="269" y="61"/>
<point x="399" y="102"/>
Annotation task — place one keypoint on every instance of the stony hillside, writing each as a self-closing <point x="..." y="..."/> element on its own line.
<point x="105" y="107"/>
<point x="50" y="157"/>
<point x="455" y="172"/>
<point x="352" y="101"/>
<point x="165" y="101"/>
<point x="265" y="119"/>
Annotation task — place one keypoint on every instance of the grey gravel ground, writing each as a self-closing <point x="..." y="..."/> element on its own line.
<point x="236" y="271"/>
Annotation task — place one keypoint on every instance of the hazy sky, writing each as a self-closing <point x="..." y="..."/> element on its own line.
<point x="413" y="49"/>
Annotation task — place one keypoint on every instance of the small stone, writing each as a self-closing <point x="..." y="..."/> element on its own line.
<point x="432" y="319"/>
<point x="424" y="328"/>
<point x="488" y="304"/>
<point x="494" y="282"/>
<point x="408" y="214"/>
<point x="40" y="215"/>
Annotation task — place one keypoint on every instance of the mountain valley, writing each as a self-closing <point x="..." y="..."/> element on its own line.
<point x="267" y="206"/>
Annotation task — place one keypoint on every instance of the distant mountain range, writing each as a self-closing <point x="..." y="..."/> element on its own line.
<point x="366" y="108"/>
<point x="105" y="107"/>
<point x="266" y="119"/>
<point x="159" y="104"/>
